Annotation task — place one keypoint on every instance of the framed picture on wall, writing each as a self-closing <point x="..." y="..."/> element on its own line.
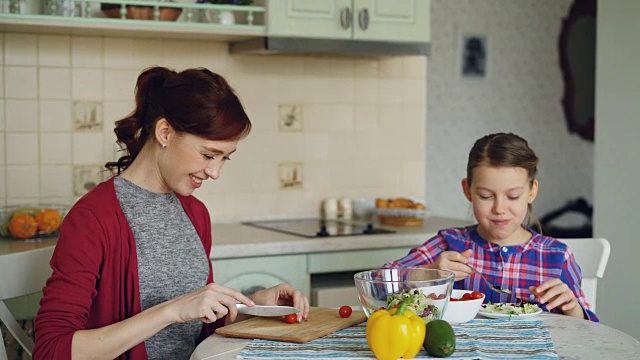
<point x="473" y="56"/>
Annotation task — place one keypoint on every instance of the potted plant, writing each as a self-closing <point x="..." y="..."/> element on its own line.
<point x="140" y="12"/>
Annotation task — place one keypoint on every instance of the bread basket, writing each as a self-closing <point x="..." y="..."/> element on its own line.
<point x="401" y="216"/>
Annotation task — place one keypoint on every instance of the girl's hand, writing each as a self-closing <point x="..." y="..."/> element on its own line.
<point x="554" y="293"/>
<point x="283" y="294"/>
<point x="208" y="304"/>
<point x="454" y="261"/>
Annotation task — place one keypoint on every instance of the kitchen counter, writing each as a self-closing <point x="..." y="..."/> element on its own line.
<point x="235" y="240"/>
<point x="238" y="240"/>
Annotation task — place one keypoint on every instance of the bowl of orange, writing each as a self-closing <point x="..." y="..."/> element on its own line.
<point x="31" y="222"/>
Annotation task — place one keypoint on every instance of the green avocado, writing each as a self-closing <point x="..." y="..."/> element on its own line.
<point x="440" y="340"/>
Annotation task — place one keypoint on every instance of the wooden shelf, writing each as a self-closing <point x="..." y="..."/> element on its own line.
<point x="95" y="24"/>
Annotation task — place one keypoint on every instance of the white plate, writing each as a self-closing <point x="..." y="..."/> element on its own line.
<point x="484" y="313"/>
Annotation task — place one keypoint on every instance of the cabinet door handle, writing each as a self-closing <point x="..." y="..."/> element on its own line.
<point x="345" y="18"/>
<point x="363" y="19"/>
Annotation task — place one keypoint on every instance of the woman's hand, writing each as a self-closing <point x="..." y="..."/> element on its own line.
<point x="454" y="261"/>
<point x="208" y="304"/>
<point x="554" y="293"/>
<point x="283" y="294"/>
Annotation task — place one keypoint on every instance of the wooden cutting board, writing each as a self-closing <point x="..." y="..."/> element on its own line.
<point x="321" y="321"/>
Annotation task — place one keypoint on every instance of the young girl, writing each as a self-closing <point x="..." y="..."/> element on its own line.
<point x="501" y="185"/>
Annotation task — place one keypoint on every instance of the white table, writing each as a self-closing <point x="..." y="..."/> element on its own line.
<point x="573" y="339"/>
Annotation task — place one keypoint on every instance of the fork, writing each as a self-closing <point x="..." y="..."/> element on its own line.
<point x="491" y="286"/>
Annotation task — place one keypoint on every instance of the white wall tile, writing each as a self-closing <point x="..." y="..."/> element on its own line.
<point x="2" y="116"/>
<point x="22" y="182"/>
<point x="178" y="54"/>
<point x="2" y="149"/>
<point x="55" y="115"/>
<point x="366" y="68"/>
<point x="86" y="52"/>
<point x="350" y="106"/>
<point x="414" y="91"/>
<point x="390" y="91"/>
<point x="86" y="84"/>
<point x="342" y="67"/>
<point x="21" y="115"/>
<point x="365" y="117"/>
<point x="54" y="50"/>
<point x="414" y="67"/>
<point x="55" y="148"/>
<point x="85" y="151"/>
<point x="147" y="52"/>
<point x="56" y="181"/>
<point x="22" y="149"/>
<point x="366" y="91"/>
<point x="20" y="49"/>
<point x="55" y="83"/>
<point x="119" y="84"/>
<point x="391" y="67"/>
<point x="1" y="82"/>
<point x="2" y="49"/>
<point x="3" y="183"/>
<point x="211" y="55"/>
<point x="118" y="53"/>
<point x="21" y="82"/>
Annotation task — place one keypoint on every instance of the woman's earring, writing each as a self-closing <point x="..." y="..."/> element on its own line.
<point x="164" y="146"/>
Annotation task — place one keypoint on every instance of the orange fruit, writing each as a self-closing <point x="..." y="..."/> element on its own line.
<point x="23" y="226"/>
<point x="48" y="220"/>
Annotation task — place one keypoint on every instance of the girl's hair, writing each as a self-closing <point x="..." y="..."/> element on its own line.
<point x="505" y="150"/>
<point x="194" y="101"/>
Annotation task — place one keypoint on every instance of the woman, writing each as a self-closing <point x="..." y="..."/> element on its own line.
<point x="131" y="272"/>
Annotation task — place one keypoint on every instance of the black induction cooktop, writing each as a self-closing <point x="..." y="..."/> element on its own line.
<point x="313" y="228"/>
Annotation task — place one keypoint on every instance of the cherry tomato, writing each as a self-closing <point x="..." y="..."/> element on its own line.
<point x="466" y="296"/>
<point x="441" y="296"/>
<point x="433" y="296"/>
<point x="345" y="311"/>
<point x="476" y="295"/>
<point x="291" y="318"/>
<point x="453" y="299"/>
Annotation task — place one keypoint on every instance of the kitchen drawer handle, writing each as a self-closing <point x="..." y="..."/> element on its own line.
<point x="363" y="19"/>
<point x="345" y="18"/>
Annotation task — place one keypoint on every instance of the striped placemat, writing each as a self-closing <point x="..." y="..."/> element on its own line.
<point x="477" y="339"/>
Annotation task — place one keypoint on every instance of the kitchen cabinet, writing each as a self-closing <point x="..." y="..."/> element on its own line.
<point x="255" y="273"/>
<point x="368" y="20"/>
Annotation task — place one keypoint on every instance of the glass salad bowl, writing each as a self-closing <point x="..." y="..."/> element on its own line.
<point x="427" y="290"/>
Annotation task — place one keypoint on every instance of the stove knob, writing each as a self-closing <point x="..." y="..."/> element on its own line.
<point x="323" y="231"/>
<point x="368" y="230"/>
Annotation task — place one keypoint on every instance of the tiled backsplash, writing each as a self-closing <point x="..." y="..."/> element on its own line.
<point x="362" y="132"/>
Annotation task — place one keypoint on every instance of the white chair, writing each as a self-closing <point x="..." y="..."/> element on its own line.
<point x="592" y="255"/>
<point x="22" y="273"/>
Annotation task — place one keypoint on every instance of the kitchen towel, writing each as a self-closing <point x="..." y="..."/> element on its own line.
<point x="477" y="339"/>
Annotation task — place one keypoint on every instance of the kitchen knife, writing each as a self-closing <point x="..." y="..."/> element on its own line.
<point x="266" y="310"/>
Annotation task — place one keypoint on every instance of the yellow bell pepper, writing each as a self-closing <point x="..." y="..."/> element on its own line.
<point x="395" y="333"/>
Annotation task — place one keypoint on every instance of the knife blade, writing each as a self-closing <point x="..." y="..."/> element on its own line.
<point x="267" y="310"/>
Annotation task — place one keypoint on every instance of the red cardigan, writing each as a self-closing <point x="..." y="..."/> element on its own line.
<point x="95" y="273"/>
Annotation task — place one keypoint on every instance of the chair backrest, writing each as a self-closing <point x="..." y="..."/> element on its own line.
<point x="592" y="254"/>
<point x="23" y="273"/>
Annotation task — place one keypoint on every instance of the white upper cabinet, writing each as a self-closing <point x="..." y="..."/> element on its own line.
<point x="373" y="20"/>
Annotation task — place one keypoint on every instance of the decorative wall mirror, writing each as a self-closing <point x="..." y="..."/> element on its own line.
<point x="577" y="61"/>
